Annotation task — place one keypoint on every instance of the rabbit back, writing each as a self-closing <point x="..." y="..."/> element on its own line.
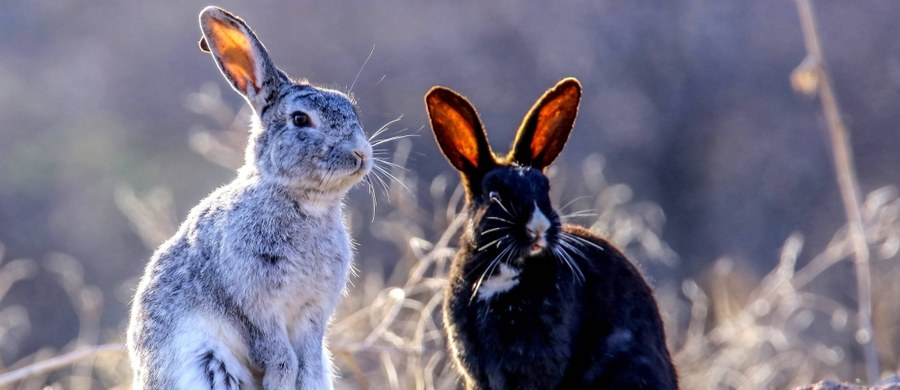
<point x="621" y="341"/>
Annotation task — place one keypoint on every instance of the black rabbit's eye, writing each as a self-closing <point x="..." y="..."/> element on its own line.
<point x="300" y="119"/>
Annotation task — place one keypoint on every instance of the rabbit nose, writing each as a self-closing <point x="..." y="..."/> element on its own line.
<point x="538" y="245"/>
<point x="362" y="158"/>
<point x="538" y="242"/>
<point x="362" y="149"/>
<point x="537" y="229"/>
<point x="362" y="155"/>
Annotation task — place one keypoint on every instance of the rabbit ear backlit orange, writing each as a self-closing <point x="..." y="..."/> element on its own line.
<point x="546" y="128"/>
<point x="458" y="131"/>
<point x="239" y="54"/>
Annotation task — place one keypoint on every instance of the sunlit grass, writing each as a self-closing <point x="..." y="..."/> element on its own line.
<point x="727" y="328"/>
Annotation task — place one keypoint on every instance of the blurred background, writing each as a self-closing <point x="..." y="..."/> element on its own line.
<point x="113" y="125"/>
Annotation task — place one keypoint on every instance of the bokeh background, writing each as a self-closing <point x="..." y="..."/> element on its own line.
<point x="113" y="125"/>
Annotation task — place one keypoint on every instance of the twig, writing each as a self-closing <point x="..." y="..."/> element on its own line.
<point x="811" y="77"/>
<point x="57" y="362"/>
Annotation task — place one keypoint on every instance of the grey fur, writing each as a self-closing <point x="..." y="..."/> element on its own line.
<point x="241" y="295"/>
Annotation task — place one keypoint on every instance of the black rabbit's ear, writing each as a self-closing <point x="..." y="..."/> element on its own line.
<point x="239" y="54"/>
<point x="546" y="128"/>
<point x="458" y="131"/>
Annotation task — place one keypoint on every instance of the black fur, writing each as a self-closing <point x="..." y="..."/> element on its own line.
<point x="216" y="372"/>
<point x="579" y="315"/>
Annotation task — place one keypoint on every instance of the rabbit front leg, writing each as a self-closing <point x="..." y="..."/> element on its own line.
<point x="315" y="364"/>
<point x="272" y="352"/>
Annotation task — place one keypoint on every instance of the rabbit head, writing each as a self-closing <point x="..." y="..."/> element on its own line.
<point x="305" y="137"/>
<point x="507" y="197"/>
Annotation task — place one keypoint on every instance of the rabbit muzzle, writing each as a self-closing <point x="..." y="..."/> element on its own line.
<point x="359" y="151"/>
<point x="538" y="244"/>
<point x="537" y="231"/>
<point x="363" y="154"/>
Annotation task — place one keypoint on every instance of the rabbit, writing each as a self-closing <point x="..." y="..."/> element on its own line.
<point x="241" y="295"/>
<point x="532" y="303"/>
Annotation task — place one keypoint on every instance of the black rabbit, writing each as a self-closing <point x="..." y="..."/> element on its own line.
<point x="531" y="303"/>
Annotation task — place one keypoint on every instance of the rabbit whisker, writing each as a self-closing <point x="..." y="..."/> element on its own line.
<point x="497" y="201"/>
<point x="476" y="264"/>
<point x="491" y="230"/>
<point x="331" y="175"/>
<point x="571" y="246"/>
<point x="383" y="76"/>
<point x="488" y="245"/>
<point x="390" y="163"/>
<point x="573" y="201"/>
<point x="477" y="286"/>
<point x="581" y="240"/>
<point x="501" y="220"/>
<point x="582" y="212"/>
<point x="379" y="180"/>
<point x="362" y="67"/>
<point x="384" y="128"/>
<point x="567" y="259"/>
<point x="371" y="191"/>
<point x="392" y="177"/>
<point x="482" y="259"/>
<point x="368" y="182"/>
<point x="561" y="256"/>
<point x="489" y="270"/>
<point x="324" y="179"/>
<point x="579" y="275"/>
<point x="393" y="138"/>
<point x="579" y="214"/>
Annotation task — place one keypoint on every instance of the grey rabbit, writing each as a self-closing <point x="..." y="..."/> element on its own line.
<point x="241" y="295"/>
<point x="533" y="303"/>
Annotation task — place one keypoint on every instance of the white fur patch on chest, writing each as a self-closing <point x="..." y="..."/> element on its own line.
<point x="499" y="283"/>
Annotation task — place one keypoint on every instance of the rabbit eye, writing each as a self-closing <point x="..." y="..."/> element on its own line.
<point x="300" y="119"/>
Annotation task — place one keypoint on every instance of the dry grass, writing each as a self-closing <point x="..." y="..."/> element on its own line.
<point x="727" y="328"/>
<point x="789" y="328"/>
<point x="79" y="365"/>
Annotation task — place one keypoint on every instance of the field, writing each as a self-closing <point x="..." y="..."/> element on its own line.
<point x="756" y="190"/>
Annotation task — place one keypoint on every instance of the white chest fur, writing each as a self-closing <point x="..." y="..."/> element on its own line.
<point x="502" y="281"/>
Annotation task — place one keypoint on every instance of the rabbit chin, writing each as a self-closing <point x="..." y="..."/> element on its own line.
<point x="536" y="250"/>
<point x="343" y="183"/>
<point x="327" y="191"/>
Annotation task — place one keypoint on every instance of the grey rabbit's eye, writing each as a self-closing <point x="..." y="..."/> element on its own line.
<point x="300" y="119"/>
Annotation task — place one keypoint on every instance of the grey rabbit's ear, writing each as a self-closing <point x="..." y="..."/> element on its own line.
<point x="239" y="54"/>
<point x="458" y="131"/>
<point x="546" y="128"/>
